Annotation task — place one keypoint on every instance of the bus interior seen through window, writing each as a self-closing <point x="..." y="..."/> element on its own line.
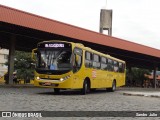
<point x="54" y="59"/>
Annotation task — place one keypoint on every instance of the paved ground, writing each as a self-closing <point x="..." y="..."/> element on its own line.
<point x="44" y="99"/>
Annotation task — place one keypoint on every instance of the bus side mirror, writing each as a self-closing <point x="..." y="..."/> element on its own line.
<point x="34" y="54"/>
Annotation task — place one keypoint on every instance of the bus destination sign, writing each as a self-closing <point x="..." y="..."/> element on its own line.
<point x="54" y="45"/>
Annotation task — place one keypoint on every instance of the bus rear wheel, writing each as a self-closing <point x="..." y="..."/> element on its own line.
<point x="93" y="89"/>
<point x="85" y="88"/>
<point x="56" y="90"/>
<point x="113" y="88"/>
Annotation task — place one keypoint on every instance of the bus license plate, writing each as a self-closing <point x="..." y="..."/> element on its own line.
<point x="47" y="84"/>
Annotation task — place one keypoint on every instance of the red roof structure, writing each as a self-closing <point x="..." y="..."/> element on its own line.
<point x="30" y="29"/>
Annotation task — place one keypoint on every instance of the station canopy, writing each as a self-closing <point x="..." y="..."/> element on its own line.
<point x="29" y="29"/>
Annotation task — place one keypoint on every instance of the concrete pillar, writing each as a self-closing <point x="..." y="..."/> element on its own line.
<point x="154" y="76"/>
<point x="130" y="76"/>
<point x="11" y="59"/>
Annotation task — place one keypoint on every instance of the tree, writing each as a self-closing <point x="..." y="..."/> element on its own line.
<point x="23" y="65"/>
<point x="138" y="76"/>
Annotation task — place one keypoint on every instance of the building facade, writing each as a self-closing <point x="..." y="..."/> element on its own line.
<point x="150" y="81"/>
<point x="3" y="59"/>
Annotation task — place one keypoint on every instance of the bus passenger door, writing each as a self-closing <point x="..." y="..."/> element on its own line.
<point x="77" y="66"/>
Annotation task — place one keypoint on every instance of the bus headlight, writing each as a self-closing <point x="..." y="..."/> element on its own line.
<point x="65" y="78"/>
<point x="38" y="78"/>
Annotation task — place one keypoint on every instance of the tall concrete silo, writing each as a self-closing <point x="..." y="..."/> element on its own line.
<point x="106" y="21"/>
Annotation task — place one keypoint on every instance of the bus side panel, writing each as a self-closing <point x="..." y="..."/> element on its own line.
<point x="101" y="79"/>
<point x="110" y="77"/>
<point x="79" y="77"/>
<point x="120" y="80"/>
<point x="89" y="73"/>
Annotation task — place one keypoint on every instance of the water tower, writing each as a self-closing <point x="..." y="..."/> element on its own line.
<point x="106" y="21"/>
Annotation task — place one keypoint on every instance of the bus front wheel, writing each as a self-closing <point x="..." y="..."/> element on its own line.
<point x="85" y="88"/>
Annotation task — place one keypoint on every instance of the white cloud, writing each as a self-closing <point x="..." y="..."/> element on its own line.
<point x="137" y="21"/>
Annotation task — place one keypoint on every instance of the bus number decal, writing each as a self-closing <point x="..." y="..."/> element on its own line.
<point x="94" y="73"/>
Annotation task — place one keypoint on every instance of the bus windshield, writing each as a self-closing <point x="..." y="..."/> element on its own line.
<point x="54" y="60"/>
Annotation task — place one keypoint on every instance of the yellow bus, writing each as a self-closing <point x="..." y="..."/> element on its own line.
<point x="68" y="65"/>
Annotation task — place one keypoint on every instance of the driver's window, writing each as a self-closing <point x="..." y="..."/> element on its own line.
<point x="77" y="62"/>
<point x="64" y="57"/>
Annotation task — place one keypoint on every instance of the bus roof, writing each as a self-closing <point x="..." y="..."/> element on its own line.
<point x="88" y="49"/>
<point x="99" y="53"/>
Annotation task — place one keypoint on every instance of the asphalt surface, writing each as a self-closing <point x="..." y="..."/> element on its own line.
<point x="23" y="98"/>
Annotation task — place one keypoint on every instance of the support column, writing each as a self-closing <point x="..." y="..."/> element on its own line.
<point x="129" y="78"/>
<point x="11" y="59"/>
<point x="154" y="77"/>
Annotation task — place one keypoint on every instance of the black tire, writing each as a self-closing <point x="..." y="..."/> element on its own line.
<point x="113" y="88"/>
<point x="56" y="90"/>
<point x="85" y="88"/>
<point x="93" y="89"/>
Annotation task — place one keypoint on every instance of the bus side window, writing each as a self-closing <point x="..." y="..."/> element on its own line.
<point x="88" y="59"/>
<point x="120" y="67"/>
<point x="116" y="66"/>
<point x="123" y="67"/>
<point x="110" y="65"/>
<point x="96" y="61"/>
<point x="104" y="63"/>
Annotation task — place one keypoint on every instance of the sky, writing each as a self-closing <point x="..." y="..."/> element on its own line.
<point x="133" y="20"/>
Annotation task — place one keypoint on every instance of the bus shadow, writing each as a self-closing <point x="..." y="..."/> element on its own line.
<point x="74" y="92"/>
<point x="61" y="93"/>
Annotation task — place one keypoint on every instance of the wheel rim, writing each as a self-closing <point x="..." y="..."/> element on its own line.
<point x="86" y="87"/>
<point x="114" y="86"/>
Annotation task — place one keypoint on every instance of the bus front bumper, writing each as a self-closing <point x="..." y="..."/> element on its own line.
<point x="53" y="84"/>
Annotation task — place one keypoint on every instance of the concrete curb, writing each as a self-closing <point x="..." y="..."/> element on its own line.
<point x="142" y="94"/>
